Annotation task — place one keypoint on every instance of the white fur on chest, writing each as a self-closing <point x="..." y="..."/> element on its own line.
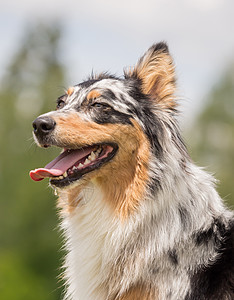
<point x="87" y="231"/>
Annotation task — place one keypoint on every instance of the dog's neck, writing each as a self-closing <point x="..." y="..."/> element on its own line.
<point x="164" y="223"/>
<point x="88" y="229"/>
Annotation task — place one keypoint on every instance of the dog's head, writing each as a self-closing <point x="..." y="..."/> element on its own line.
<point x="108" y="126"/>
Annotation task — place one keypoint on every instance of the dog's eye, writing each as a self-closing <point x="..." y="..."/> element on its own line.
<point x="99" y="105"/>
<point x="60" y="104"/>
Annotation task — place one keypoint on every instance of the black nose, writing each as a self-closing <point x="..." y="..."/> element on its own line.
<point x="43" y="125"/>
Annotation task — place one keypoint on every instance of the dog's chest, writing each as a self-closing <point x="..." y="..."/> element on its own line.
<point x="88" y="231"/>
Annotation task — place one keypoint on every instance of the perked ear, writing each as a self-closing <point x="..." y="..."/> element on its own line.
<point x="156" y="72"/>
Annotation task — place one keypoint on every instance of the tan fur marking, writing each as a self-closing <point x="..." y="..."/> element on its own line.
<point x="157" y="73"/>
<point x="70" y="91"/>
<point x="93" y="94"/>
<point x="123" y="179"/>
<point x="139" y="292"/>
<point x="69" y="200"/>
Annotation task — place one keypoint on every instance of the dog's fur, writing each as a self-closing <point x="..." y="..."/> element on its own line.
<point x="148" y="224"/>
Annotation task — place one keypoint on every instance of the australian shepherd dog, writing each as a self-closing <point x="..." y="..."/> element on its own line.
<point x="141" y="221"/>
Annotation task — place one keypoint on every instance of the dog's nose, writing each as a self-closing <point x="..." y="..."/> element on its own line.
<point x="43" y="125"/>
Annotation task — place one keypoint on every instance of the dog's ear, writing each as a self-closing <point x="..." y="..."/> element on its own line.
<point x="156" y="73"/>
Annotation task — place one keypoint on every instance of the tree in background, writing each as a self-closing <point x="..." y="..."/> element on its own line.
<point x="212" y="137"/>
<point x="29" y="251"/>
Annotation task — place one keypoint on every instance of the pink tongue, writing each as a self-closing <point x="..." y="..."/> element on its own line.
<point x="60" y="164"/>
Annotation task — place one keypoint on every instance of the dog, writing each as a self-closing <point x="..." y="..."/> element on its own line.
<point x="141" y="220"/>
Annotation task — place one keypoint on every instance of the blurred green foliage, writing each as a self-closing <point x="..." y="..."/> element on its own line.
<point x="29" y="238"/>
<point x="212" y="136"/>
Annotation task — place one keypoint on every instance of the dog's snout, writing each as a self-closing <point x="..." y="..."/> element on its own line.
<point x="43" y="125"/>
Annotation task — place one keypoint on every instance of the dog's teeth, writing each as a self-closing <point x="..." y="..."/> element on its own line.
<point x="92" y="156"/>
<point x="73" y="168"/>
<point x="80" y="166"/>
<point x="60" y="177"/>
<point x="65" y="174"/>
<point x="98" y="150"/>
<point x="87" y="161"/>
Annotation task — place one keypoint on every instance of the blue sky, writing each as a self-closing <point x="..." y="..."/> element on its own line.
<point x="110" y="35"/>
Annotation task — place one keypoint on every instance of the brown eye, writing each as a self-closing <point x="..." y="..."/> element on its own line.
<point x="61" y="101"/>
<point x="60" y="104"/>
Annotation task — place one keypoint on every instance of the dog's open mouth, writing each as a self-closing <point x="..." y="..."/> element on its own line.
<point x="72" y="164"/>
